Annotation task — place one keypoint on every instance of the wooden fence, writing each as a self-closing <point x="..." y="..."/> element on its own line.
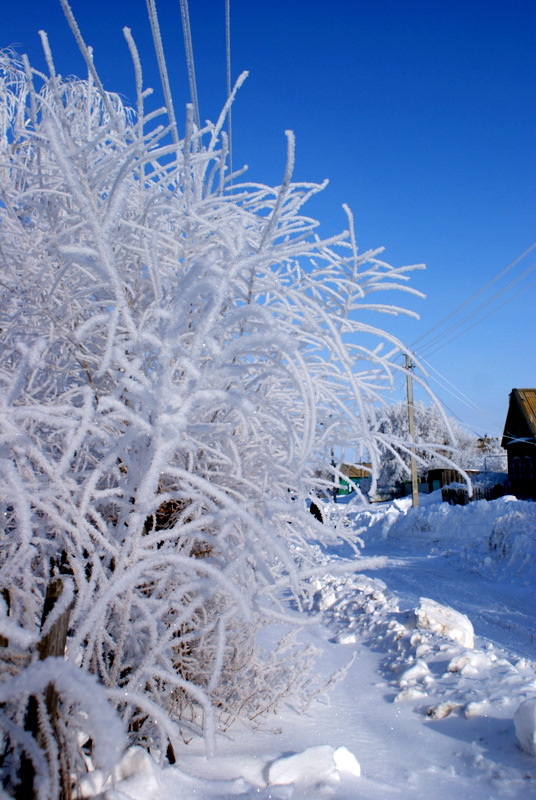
<point x="459" y="495"/>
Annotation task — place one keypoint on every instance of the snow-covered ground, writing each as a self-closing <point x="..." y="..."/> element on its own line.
<point x="439" y="645"/>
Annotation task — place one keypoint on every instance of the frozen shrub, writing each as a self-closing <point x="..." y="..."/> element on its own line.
<point x="177" y="360"/>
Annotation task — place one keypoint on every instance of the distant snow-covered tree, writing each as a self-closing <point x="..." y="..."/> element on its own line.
<point x="178" y="355"/>
<point x="438" y="438"/>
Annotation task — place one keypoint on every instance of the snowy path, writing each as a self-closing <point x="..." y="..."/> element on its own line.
<point x="427" y="711"/>
<point x="402" y="754"/>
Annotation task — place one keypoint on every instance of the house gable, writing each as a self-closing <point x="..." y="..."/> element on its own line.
<point x="519" y="439"/>
<point x="520" y="422"/>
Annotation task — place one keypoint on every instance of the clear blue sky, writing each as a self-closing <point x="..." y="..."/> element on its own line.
<point x="422" y="114"/>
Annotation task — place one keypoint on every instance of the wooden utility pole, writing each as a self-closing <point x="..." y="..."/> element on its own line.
<point x="414" y="486"/>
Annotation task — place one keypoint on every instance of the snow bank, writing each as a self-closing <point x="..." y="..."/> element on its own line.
<point x="430" y="658"/>
<point x="496" y="537"/>
<point x="138" y="777"/>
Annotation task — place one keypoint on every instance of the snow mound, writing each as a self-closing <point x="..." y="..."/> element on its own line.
<point x="525" y="725"/>
<point x="446" y="621"/>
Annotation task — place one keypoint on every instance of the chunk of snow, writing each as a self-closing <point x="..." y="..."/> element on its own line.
<point x="346" y="637"/>
<point x="92" y="784"/>
<point x="345" y="761"/>
<point x="410" y="693"/>
<point x="442" y="710"/>
<point x="135" y="775"/>
<point x="446" y="621"/>
<point x="525" y="725"/>
<point x="480" y="708"/>
<point x="136" y="761"/>
<point x="327" y="599"/>
<point x="414" y="673"/>
<point x="471" y="663"/>
<point x="313" y="765"/>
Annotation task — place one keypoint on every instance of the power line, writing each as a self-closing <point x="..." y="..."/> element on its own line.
<point x="481" y="307"/>
<point x="450" y="388"/>
<point x="460" y="396"/>
<point x="474" y="296"/>
<point x="438" y="340"/>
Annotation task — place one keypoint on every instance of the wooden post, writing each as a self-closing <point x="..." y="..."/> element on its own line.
<point x="414" y="486"/>
<point x="335" y="478"/>
<point x="5" y="594"/>
<point x="52" y="644"/>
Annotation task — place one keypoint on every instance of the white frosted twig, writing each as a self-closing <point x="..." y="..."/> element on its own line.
<point x="157" y="39"/>
<point x="87" y="55"/>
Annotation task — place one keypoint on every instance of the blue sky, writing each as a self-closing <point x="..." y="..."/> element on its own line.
<point x="421" y="114"/>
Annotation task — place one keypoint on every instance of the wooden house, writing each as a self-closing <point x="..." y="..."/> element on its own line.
<point x="355" y="473"/>
<point x="441" y="476"/>
<point x="519" y="441"/>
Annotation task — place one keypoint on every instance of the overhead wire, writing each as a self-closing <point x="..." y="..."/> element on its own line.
<point x="445" y="383"/>
<point x="524" y="289"/>
<point x="474" y="296"/>
<point x="457" y="394"/>
<point x="442" y="339"/>
<point x="450" y="388"/>
<point x="431" y="412"/>
<point x="437" y="339"/>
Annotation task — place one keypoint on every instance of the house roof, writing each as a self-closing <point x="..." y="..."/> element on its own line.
<point x="356" y="471"/>
<point x="521" y="418"/>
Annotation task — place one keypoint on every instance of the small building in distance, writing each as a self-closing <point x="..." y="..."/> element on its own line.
<point x="356" y="473"/>
<point x="439" y="477"/>
<point x="519" y="441"/>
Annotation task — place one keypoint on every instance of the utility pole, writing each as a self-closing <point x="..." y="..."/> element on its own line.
<point x="335" y="478"/>
<point x="414" y="486"/>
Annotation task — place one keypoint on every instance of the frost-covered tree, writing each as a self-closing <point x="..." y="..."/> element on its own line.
<point x="438" y="438"/>
<point x="179" y="354"/>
